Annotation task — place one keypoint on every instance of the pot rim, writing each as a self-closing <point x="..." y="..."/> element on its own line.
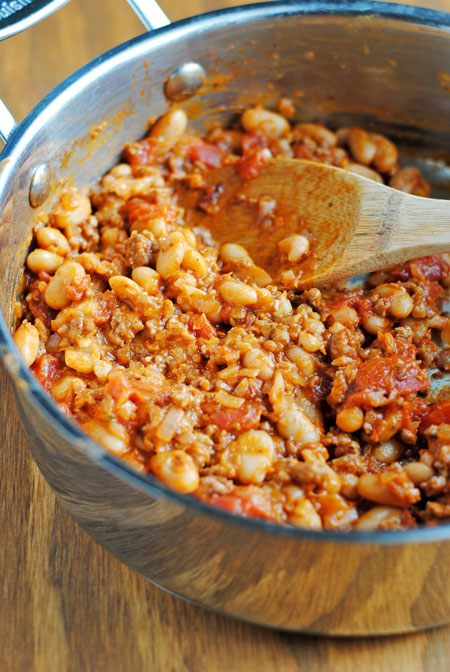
<point x="21" y="375"/>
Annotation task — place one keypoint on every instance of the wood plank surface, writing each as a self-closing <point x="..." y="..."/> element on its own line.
<point x="67" y="605"/>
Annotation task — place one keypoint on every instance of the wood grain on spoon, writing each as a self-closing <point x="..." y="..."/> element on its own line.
<point x="357" y="225"/>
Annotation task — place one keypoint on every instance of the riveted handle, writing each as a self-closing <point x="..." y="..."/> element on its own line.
<point x="150" y="13"/>
<point x="16" y="15"/>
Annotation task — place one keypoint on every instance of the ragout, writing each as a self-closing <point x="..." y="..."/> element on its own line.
<point x="183" y="358"/>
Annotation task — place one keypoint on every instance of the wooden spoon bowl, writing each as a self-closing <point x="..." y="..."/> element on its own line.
<point x="355" y="225"/>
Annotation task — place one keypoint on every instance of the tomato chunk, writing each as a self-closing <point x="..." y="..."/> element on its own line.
<point x="437" y="414"/>
<point x="235" y="419"/>
<point x="250" y="166"/>
<point x="244" y="501"/>
<point x="394" y="376"/>
<point x="143" y="153"/>
<point x="46" y="369"/>
<point x="208" y="154"/>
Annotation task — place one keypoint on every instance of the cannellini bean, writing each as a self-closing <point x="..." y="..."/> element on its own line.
<point x="168" y="130"/>
<point x="74" y="208"/>
<point x="81" y="360"/>
<point x="401" y="304"/>
<point x="379" y="517"/>
<point x="189" y="237"/>
<point x="305" y="515"/>
<point x="375" y="323"/>
<point x="26" y="338"/>
<point x="388" y="451"/>
<point x="372" y="488"/>
<point x="348" y="485"/>
<point x="386" y="155"/>
<point x="310" y="342"/>
<point x="410" y="180"/>
<point x="111" y="235"/>
<point x="52" y="240"/>
<point x="233" y="253"/>
<point x="320" y="134"/>
<point x="303" y="359"/>
<point x="273" y="125"/>
<point x="295" y="247"/>
<point x="199" y="300"/>
<point x="176" y="469"/>
<point x="147" y="278"/>
<point x="258" y="359"/>
<point x="350" y="419"/>
<point x="114" y="437"/>
<point x="127" y="289"/>
<point x="39" y="261"/>
<point x="121" y="170"/>
<point x="361" y="145"/>
<point x="69" y="273"/>
<point x="169" y="260"/>
<point x="418" y="472"/>
<point x="56" y="295"/>
<point x="157" y="226"/>
<point x="293" y="423"/>
<point x="237" y="293"/>
<point x="253" y="454"/>
<point x="346" y="315"/>
<point x="195" y="262"/>
<point x="64" y="389"/>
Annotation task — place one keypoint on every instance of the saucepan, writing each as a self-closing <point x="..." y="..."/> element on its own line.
<point x="379" y="65"/>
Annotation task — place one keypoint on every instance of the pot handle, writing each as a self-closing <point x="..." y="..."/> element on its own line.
<point x="13" y="20"/>
<point x="15" y="17"/>
<point x="149" y="13"/>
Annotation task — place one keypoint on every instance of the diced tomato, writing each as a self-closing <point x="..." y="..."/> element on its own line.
<point x="437" y="414"/>
<point x="413" y="412"/>
<point x="143" y="153"/>
<point x="246" y="502"/>
<point x="236" y="419"/>
<point x="140" y="210"/>
<point x="250" y="166"/>
<point x="201" y="326"/>
<point x="154" y="390"/>
<point x="362" y="305"/>
<point x="118" y="386"/>
<point x="396" y="375"/>
<point x="433" y="267"/>
<point x="251" y="141"/>
<point x="208" y="154"/>
<point x="46" y="369"/>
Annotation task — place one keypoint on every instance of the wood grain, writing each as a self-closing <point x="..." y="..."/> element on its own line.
<point x="67" y="605"/>
<point x="357" y="225"/>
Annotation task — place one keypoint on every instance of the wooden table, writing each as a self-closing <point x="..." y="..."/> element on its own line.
<point x="67" y="605"/>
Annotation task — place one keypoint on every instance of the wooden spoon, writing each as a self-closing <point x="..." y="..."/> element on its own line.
<point x="357" y="225"/>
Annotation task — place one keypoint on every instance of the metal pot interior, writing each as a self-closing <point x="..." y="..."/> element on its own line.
<point x="381" y="66"/>
<point x="376" y="66"/>
<point x="385" y="67"/>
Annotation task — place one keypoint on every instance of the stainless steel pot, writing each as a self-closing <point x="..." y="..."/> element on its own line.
<point x="380" y="65"/>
